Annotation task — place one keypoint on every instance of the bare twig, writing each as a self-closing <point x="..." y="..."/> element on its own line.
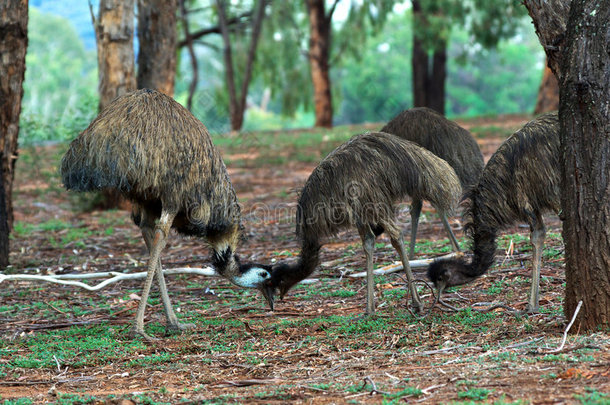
<point x="565" y="333"/>
<point x="65" y="279"/>
<point x="396" y="267"/>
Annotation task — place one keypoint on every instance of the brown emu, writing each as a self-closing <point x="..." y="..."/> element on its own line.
<point x="358" y="185"/>
<point x="519" y="184"/>
<point x="159" y="156"/>
<point x="447" y="140"/>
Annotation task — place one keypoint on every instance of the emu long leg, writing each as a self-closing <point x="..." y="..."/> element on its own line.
<point x="537" y="236"/>
<point x="147" y="226"/>
<point x="415" y="213"/>
<point x="452" y="239"/>
<point x="158" y="243"/>
<point x="368" y="244"/>
<point x="399" y="244"/>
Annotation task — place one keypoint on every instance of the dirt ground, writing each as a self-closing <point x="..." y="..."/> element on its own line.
<point x="62" y="344"/>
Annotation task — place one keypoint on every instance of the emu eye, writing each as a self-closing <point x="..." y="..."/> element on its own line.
<point x="264" y="274"/>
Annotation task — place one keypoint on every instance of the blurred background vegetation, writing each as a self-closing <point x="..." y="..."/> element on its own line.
<point x="371" y="83"/>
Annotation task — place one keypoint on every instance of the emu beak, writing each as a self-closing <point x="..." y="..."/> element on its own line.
<point x="269" y="293"/>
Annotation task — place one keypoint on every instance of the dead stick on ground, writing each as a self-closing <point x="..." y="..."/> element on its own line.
<point x="565" y="333"/>
<point x="393" y="268"/>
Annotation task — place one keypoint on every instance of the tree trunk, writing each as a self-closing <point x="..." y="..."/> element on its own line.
<point x="114" y="36"/>
<point x="548" y="93"/>
<point x="429" y="76"/>
<point x="581" y="61"/>
<point x="319" y="48"/>
<point x="585" y="136"/>
<point x="13" y="46"/>
<point x="436" y="98"/>
<point x="4" y="231"/>
<point x="237" y="103"/>
<point x="157" y="37"/>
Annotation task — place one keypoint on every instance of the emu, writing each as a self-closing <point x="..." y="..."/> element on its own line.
<point x="358" y="185"/>
<point x="160" y="157"/>
<point x="520" y="183"/>
<point x="447" y="140"/>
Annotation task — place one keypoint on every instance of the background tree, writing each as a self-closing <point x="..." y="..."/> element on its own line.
<point x="486" y="21"/>
<point x="114" y="29"/>
<point x="13" y="46"/>
<point x="576" y="38"/>
<point x="157" y="39"/>
<point x="548" y="93"/>
<point x="237" y="102"/>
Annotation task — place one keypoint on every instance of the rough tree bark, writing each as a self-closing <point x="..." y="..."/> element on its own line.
<point x="13" y="46"/>
<point x="4" y="231"/>
<point x="548" y="93"/>
<point x="158" y="39"/>
<point x="114" y="36"/>
<point x="237" y="103"/>
<point x="429" y="70"/>
<point x="580" y="57"/>
<point x="319" y="50"/>
<point x="116" y="67"/>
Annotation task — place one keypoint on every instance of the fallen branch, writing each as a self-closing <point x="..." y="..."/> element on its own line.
<point x="396" y="267"/>
<point x="66" y="279"/>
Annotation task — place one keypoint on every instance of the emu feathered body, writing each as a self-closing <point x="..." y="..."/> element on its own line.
<point x="443" y="137"/>
<point x="358" y="185"/>
<point x="519" y="184"/>
<point x="158" y="155"/>
<point x="447" y="140"/>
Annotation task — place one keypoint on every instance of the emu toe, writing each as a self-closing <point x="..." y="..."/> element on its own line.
<point x="177" y="327"/>
<point x="137" y="332"/>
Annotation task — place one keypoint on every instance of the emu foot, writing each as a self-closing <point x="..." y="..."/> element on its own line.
<point x="177" y="327"/>
<point x="136" y="332"/>
<point x="530" y="310"/>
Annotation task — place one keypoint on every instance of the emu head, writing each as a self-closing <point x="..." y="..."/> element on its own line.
<point x="449" y="273"/>
<point x="281" y="280"/>
<point x="247" y="275"/>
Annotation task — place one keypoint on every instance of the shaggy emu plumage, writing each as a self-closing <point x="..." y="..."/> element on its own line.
<point x="358" y="185"/>
<point x="447" y="140"/>
<point x="519" y="184"/>
<point x="159" y="156"/>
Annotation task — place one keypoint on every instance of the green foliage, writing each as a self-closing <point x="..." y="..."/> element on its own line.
<point x="593" y="397"/>
<point x="477" y="394"/>
<point x="60" y="87"/>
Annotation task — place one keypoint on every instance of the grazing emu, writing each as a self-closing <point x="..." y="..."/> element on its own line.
<point x="159" y="156"/>
<point x="358" y="185"/>
<point x="519" y="184"/>
<point x="445" y="139"/>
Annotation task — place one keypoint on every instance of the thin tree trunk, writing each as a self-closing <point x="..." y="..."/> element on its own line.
<point x="189" y="43"/>
<point x="548" y="93"/>
<point x="579" y="56"/>
<point x="114" y="36"/>
<point x="157" y="38"/>
<point x="13" y="46"/>
<point x="237" y="103"/>
<point x="319" y="48"/>
<point x="228" y="59"/>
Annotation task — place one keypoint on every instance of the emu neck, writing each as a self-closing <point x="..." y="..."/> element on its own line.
<point x="285" y="276"/>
